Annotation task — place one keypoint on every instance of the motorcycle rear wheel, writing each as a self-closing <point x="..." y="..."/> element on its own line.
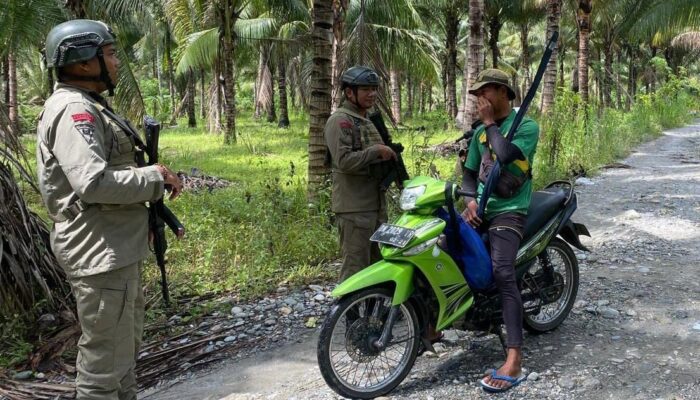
<point x="348" y="362"/>
<point x="566" y="279"/>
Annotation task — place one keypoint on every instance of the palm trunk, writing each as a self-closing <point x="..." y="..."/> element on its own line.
<point x="550" y="75"/>
<point x="631" y="79"/>
<point x="282" y="82"/>
<point x="525" y="48"/>
<point x="171" y="74"/>
<point x="202" y="108"/>
<point x="395" y="82"/>
<point x="430" y="97"/>
<point x="475" y="60"/>
<point x="584" y="26"/>
<point x="423" y="96"/>
<point x="494" y="31"/>
<point x="452" y="33"/>
<point x="618" y="82"/>
<point x="227" y="42"/>
<point x="339" y="11"/>
<point x="12" y="89"/>
<point x="321" y="87"/>
<point x="191" y="107"/>
<point x="607" y="71"/>
<point x="410" y="91"/>
<point x="262" y="64"/>
<point x="271" y="110"/>
<point x="561" y="68"/>
<point x="5" y="81"/>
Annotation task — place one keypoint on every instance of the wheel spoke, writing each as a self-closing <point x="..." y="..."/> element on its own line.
<point x="354" y="360"/>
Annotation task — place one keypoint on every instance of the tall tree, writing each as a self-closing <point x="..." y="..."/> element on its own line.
<point x="550" y="75"/>
<point x="321" y="86"/>
<point x="583" y="20"/>
<point x="475" y="59"/>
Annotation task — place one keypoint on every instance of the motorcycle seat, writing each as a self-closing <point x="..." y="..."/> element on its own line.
<point x="543" y="206"/>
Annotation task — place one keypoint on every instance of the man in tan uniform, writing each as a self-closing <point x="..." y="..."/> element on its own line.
<point x="356" y="149"/>
<point x="95" y="194"/>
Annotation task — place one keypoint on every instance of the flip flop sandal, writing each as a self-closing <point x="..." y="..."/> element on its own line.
<point x="512" y="380"/>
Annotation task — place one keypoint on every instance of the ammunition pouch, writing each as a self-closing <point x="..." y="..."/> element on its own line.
<point x="508" y="184"/>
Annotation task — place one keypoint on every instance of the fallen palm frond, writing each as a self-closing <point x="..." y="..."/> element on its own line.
<point x="28" y="270"/>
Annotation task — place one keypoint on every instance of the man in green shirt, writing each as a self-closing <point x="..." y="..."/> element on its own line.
<point x="506" y="210"/>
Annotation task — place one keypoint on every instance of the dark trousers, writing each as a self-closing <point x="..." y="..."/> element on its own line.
<point x="505" y="233"/>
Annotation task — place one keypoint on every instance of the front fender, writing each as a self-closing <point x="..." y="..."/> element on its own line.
<point x="401" y="273"/>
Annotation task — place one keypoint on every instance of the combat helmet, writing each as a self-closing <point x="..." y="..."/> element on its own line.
<point x="359" y="76"/>
<point x="78" y="41"/>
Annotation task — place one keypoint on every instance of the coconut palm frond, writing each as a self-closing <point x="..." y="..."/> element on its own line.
<point x="200" y="50"/>
<point x="181" y="14"/>
<point x="408" y="50"/>
<point x="255" y="29"/>
<point x="128" y="98"/>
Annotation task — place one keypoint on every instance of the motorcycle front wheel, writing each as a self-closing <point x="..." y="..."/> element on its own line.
<point x="561" y="292"/>
<point x="350" y="364"/>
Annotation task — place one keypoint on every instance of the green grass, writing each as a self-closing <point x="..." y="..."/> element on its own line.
<point x="261" y="231"/>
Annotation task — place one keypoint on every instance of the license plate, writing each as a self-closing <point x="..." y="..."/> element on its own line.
<point x="393" y="235"/>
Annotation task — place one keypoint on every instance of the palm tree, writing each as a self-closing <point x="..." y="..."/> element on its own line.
<point x="550" y="75"/>
<point x="446" y="16"/>
<point x="583" y="19"/>
<point x="475" y="59"/>
<point x="24" y="24"/>
<point x="321" y="86"/>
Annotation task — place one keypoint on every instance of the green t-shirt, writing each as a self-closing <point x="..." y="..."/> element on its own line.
<point x="526" y="139"/>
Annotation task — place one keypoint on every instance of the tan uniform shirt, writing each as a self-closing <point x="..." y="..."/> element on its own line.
<point x="85" y="158"/>
<point x="355" y="183"/>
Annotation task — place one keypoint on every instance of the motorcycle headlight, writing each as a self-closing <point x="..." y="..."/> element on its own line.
<point x="409" y="197"/>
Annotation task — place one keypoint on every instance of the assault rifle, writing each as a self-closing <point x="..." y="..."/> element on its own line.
<point x="393" y="170"/>
<point x="159" y="214"/>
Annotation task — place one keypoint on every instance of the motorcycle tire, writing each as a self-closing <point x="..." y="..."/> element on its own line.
<point x="566" y="267"/>
<point x="352" y="323"/>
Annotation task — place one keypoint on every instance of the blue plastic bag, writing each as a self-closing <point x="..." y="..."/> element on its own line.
<point x="469" y="252"/>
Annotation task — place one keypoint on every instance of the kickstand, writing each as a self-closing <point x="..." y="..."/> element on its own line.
<point x="501" y="337"/>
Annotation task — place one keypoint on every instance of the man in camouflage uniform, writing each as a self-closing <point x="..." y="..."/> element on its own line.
<point x="356" y="149"/>
<point x="95" y="194"/>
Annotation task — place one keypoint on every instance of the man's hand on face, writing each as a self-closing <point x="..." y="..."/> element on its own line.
<point x="386" y="153"/>
<point x="485" y="110"/>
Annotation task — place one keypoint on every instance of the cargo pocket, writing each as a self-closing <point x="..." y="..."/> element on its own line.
<point x="100" y="311"/>
<point x="123" y="143"/>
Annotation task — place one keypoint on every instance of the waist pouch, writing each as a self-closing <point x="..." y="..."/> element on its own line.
<point x="508" y="184"/>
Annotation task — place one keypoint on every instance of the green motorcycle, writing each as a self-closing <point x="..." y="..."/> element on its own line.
<point x="374" y="331"/>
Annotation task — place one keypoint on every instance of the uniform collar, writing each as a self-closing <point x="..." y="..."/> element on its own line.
<point x="90" y="93"/>
<point x="348" y="105"/>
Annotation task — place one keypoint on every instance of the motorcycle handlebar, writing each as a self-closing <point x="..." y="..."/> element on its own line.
<point x="464" y="193"/>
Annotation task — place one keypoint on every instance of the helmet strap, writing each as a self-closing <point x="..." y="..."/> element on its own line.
<point x="104" y="74"/>
<point x="354" y="91"/>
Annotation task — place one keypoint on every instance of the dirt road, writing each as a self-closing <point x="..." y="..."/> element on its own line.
<point x="633" y="334"/>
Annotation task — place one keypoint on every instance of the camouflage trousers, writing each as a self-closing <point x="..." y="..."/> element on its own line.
<point x="110" y="309"/>
<point x="355" y="230"/>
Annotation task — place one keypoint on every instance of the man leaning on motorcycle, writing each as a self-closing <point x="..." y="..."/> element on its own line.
<point x="505" y="214"/>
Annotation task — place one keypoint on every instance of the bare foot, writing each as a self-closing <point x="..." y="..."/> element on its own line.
<point x="511" y="368"/>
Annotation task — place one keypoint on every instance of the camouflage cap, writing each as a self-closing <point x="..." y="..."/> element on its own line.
<point x="493" y="76"/>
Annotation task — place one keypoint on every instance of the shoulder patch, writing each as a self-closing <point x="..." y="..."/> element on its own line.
<point x="87" y="131"/>
<point x="345" y="124"/>
<point x="83" y="117"/>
